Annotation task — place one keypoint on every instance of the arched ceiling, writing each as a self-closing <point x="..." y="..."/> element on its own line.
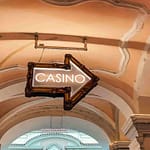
<point x="118" y="40"/>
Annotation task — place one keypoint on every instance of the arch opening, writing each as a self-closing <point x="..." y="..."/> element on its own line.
<point x="54" y="139"/>
<point x="67" y="124"/>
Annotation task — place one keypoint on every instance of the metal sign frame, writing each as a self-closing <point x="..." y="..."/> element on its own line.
<point x="69" y="101"/>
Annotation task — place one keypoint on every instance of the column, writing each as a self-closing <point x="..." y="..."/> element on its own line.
<point x="120" y="145"/>
<point x="137" y="129"/>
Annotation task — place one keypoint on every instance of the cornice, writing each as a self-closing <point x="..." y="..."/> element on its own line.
<point x="64" y="2"/>
<point x="120" y="3"/>
<point x="141" y="119"/>
<point x="119" y="145"/>
<point x="137" y="125"/>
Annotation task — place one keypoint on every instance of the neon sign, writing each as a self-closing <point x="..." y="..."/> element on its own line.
<point x="58" y="78"/>
<point x="72" y="80"/>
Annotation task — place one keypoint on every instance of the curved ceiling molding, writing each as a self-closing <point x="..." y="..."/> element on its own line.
<point x="122" y="3"/>
<point x="63" y="2"/>
<point x="16" y="67"/>
<point x="38" y="101"/>
<point x="21" y="108"/>
<point x="126" y="3"/>
<point x="10" y="70"/>
<point x="140" y="70"/>
<point x="14" y="52"/>
<point x="51" y="110"/>
<point x="97" y="92"/>
<point x="97" y="111"/>
<point x="136" y="27"/>
<point x="125" y="57"/>
<point x="12" y="91"/>
<point x="116" y="100"/>
<point x="121" y="66"/>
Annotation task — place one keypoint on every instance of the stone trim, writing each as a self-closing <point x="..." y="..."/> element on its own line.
<point x="137" y="128"/>
<point x="120" y="145"/>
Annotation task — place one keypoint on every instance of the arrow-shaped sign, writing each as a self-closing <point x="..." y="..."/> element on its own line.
<point x="70" y="80"/>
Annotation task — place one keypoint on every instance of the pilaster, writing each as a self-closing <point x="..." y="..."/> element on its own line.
<point x="137" y="129"/>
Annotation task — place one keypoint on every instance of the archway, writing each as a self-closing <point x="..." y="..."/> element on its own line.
<point x="44" y="122"/>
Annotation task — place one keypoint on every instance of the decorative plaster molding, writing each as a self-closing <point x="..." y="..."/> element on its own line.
<point x="64" y="2"/>
<point x="141" y="66"/>
<point x="52" y="135"/>
<point x="121" y="66"/>
<point x="12" y="68"/>
<point x="134" y="145"/>
<point x="97" y="111"/>
<point x="135" y="124"/>
<point x="98" y="92"/>
<point x="116" y="100"/>
<point x="136" y="129"/>
<point x="120" y="3"/>
<point x="19" y="109"/>
<point x="13" y="53"/>
<point x="141" y="118"/>
<point x="120" y="145"/>
<point x="142" y="125"/>
<point x="136" y="27"/>
<point x="129" y="130"/>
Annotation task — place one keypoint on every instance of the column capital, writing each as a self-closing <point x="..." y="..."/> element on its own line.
<point x="120" y="145"/>
<point x="141" y="118"/>
<point x="138" y="126"/>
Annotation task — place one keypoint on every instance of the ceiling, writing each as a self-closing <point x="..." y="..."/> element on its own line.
<point x="118" y="43"/>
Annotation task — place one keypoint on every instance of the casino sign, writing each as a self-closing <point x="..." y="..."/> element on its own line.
<point x="70" y="80"/>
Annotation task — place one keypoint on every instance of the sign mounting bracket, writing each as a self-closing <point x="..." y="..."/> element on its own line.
<point x="41" y="45"/>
